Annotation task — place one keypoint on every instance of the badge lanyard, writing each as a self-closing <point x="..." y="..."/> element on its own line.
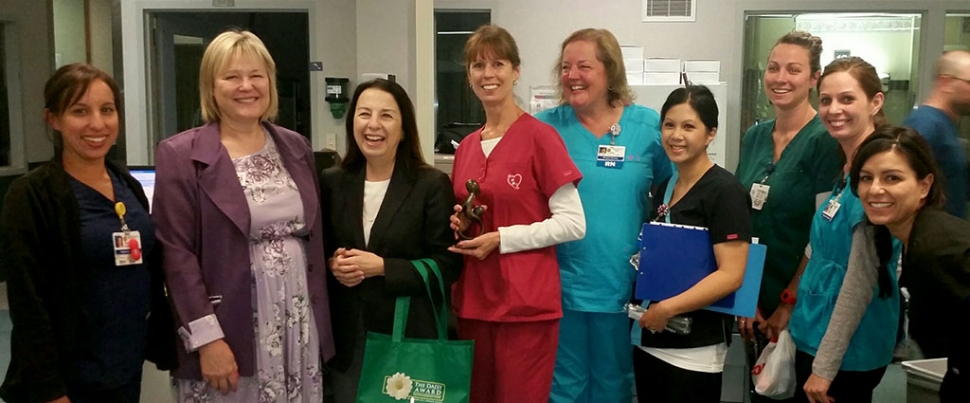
<point x="833" y="207"/>
<point x="770" y="169"/>
<point x="127" y="243"/>
<point x="614" y="131"/>
<point x="611" y="156"/>
<point x="668" y="193"/>
<point x="759" y="191"/>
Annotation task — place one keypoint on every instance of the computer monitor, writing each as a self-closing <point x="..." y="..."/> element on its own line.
<point x="145" y="175"/>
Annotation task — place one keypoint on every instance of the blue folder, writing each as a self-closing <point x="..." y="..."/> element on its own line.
<point x="673" y="258"/>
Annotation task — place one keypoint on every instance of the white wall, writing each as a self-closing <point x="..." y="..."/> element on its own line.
<point x="332" y="41"/>
<point x="69" y="37"/>
<point x="337" y="26"/>
<point x="539" y="26"/>
<point x="32" y="22"/>
<point x="358" y="36"/>
<point x="382" y="22"/>
<point x="397" y="37"/>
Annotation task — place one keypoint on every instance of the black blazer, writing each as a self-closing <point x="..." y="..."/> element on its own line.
<point x="936" y="271"/>
<point x="413" y="223"/>
<point x="42" y="261"/>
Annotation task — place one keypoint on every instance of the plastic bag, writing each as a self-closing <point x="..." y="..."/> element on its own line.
<point x="774" y="372"/>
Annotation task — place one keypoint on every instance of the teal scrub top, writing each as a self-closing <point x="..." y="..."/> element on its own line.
<point x="596" y="271"/>
<point x="809" y="165"/>
<point x="872" y="344"/>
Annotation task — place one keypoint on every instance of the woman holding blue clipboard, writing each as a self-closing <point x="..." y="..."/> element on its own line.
<point x="687" y="367"/>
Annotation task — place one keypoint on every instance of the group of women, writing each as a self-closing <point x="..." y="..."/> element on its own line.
<point x="852" y="187"/>
<point x="275" y="278"/>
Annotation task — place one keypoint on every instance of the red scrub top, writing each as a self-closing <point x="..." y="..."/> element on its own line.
<point x="517" y="179"/>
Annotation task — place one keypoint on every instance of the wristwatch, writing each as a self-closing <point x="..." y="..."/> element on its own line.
<point x="788" y="297"/>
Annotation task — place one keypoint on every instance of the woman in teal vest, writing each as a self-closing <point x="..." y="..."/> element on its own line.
<point x="850" y="107"/>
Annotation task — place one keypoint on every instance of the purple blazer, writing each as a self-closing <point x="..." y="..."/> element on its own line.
<point x="203" y="225"/>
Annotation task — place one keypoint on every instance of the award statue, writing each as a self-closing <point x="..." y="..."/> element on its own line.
<point x="472" y="213"/>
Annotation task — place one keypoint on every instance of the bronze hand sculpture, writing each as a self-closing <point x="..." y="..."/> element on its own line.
<point x="471" y="212"/>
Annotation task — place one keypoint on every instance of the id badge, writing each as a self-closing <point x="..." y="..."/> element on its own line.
<point x="831" y="210"/>
<point x="759" y="194"/>
<point x="127" y="248"/>
<point x="610" y="156"/>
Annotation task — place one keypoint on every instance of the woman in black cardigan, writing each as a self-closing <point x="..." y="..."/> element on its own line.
<point x="900" y="186"/>
<point x="83" y="272"/>
<point x="385" y="206"/>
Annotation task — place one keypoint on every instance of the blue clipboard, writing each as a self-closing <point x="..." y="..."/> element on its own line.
<point x="673" y="258"/>
<point x="746" y="297"/>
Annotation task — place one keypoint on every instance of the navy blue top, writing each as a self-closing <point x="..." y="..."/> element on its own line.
<point x="116" y="301"/>
<point x="943" y="137"/>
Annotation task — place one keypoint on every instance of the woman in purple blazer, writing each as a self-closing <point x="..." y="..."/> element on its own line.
<point x="237" y="209"/>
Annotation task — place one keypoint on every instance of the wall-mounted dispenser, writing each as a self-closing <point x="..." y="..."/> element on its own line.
<point x="337" y="96"/>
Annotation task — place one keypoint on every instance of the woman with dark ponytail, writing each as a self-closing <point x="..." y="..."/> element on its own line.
<point x="843" y="358"/>
<point x="900" y="186"/>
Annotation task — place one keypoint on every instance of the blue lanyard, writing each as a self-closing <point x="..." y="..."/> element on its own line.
<point x="668" y="193"/>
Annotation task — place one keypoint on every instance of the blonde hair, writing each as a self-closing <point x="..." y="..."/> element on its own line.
<point x="218" y="54"/>
<point x="607" y="52"/>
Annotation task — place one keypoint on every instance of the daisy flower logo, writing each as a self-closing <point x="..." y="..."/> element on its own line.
<point x="662" y="211"/>
<point x="399" y="386"/>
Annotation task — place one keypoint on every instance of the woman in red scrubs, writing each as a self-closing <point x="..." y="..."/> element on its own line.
<point x="508" y="298"/>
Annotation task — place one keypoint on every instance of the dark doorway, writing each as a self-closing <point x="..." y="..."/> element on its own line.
<point x="179" y="40"/>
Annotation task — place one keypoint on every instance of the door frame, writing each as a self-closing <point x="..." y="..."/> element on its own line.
<point x="162" y="111"/>
<point x="136" y="38"/>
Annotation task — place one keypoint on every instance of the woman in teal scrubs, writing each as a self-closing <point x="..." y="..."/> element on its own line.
<point x="616" y="146"/>
<point x="850" y="107"/>
<point x="786" y="163"/>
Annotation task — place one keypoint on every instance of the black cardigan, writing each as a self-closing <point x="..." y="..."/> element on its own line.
<point x="43" y="265"/>
<point x="936" y="271"/>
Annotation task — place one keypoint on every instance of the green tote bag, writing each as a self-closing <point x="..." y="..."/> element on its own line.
<point x="397" y="369"/>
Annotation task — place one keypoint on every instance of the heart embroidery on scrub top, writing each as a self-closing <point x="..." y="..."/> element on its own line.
<point x="515" y="180"/>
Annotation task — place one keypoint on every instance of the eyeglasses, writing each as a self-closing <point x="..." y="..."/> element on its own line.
<point x="966" y="80"/>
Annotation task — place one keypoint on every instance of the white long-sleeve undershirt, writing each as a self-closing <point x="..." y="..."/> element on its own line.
<point x="567" y="223"/>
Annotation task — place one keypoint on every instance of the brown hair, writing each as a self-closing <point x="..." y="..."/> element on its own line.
<point x="867" y="77"/>
<point x="218" y="54"/>
<point x="916" y="152"/>
<point x="607" y="52"/>
<point x="408" y="150"/>
<point x="807" y="41"/>
<point x="68" y="85"/>
<point x="491" y="40"/>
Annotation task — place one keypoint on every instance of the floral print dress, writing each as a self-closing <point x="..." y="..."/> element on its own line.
<point x="287" y="344"/>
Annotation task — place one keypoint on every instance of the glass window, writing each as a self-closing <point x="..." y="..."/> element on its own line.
<point x="5" y="140"/>
<point x="890" y="42"/>
<point x="957" y="37"/>
<point x="455" y="101"/>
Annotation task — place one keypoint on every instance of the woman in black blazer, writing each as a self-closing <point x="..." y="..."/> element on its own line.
<point x="897" y="180"/>
<point x="386" y="207"/>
